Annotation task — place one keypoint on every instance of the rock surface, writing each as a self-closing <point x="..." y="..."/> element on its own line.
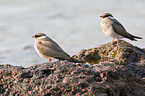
<point x="112" y="71"/>
<point x="124" y="53"/>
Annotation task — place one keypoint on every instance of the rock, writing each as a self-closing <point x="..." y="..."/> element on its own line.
<point x="124" y="53"/>
<point x="143" y="49"/>
<point x="117" y="75"/>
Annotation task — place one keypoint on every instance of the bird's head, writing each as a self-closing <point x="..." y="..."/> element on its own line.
<point x="39" y="35"/>
<point x="105" y="15"/>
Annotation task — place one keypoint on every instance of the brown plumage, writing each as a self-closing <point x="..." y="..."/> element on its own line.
<point x="114" y="29"/>
<point x="49" y="49"/>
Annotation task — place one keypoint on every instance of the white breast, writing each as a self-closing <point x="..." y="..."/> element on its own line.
<point x="39" y="53"/>
<point x="108" y="29"/>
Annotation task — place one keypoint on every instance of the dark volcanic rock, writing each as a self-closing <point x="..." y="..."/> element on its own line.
<point x="66" y="78"/>
<point x="124" y="53"/>
<point x="110" y="77"/>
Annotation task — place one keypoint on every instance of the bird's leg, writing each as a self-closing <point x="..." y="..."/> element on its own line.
<point x="117" y="41"/>
<point x="49" y="60"/>
<point x="112" y="41"/>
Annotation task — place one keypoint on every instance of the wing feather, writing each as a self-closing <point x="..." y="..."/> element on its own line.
<point x="119" y="29"/>
<point x="50" y="48"/>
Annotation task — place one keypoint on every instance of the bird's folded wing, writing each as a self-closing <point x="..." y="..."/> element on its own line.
<point x="51" y="44"/>
<point x="52" y="49"/>
<point x="119" y="29"/>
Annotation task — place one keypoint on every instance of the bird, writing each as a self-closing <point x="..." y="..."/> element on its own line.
<point x="114" y="29"/>
<point x="49" y="49"/>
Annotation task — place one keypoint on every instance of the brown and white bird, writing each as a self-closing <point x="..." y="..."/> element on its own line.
<point x="114" y="29"/>
<point x="49" y="49"/>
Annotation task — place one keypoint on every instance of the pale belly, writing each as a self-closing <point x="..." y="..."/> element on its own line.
<point x="40" y="54"/>
<point x="110" y="32"/>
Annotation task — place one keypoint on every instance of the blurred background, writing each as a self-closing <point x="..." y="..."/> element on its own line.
<point x="73" y="24"/>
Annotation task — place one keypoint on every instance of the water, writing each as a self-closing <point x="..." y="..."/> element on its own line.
<point x="74" y="24"/>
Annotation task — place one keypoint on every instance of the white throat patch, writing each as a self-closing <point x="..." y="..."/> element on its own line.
<point x="111" y="17"/>
<point x="43" y="37"/>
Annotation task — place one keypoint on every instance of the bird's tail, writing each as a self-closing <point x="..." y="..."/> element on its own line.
<point x="137" y="37"/>
<point x="133" y="37"/>
<point x="75" y="60"/>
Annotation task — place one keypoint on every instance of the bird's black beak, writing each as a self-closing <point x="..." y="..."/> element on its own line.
<point x="100" y="16"/>
<point x="33" y="36"/>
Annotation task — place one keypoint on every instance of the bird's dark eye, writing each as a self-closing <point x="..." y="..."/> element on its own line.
<point x="37" y="35"/>
<point x="108" y="15"/>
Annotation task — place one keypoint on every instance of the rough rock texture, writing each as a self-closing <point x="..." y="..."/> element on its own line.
<point x="124" y="53"/>
<point x="110" y="77"/>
